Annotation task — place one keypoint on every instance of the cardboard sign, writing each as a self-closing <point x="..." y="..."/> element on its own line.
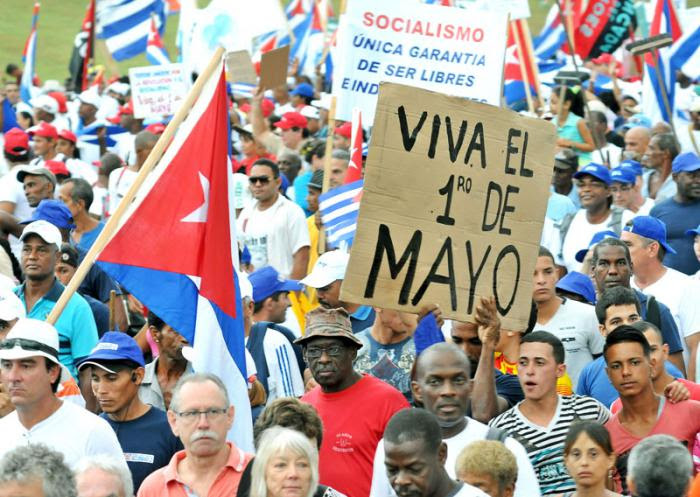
<point x="454" y="200"/>
<point x="445" y="49"/>
<point x="239" y="67"/>
<point x="273" y="68"/>
<point x="157" y="90"/>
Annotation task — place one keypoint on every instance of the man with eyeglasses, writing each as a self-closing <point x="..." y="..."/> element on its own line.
<point x="31" y="372"/>
<point x="200" y="415"/>
<point x="626" y="190"/>
<point x="274" y="228"/>
<point x="355" y="408"/>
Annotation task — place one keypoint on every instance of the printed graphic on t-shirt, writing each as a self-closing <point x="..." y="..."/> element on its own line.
<point x="136" y="457"/>
<point x="343" y="443"/>
<point x="257" y="245"/>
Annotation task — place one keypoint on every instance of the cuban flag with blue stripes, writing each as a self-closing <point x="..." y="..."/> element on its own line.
<point x="551" y="37"/>
<point x="26" y="85"/>
<point x="175" y="248"/>
<point x="155" y="50"/>
<point x="125" y="24"/>
<point x="339" y="210"/>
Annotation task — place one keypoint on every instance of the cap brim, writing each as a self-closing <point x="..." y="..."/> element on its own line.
<point x="581" y="255"/>
<point x="281" y="125"/>
<point x="668" y="248"/>
<point x="16" y="353"/>
<point x="317" y="279"/>
<point x="291" y="286"/>
<point x="93" y="363"/>
<point x="693" y="232"/>
<point x="351" y="339"/>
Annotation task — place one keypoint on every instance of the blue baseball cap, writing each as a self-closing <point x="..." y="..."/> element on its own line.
<point x="303" y="90"/>
<point x="694" y="232"/>
<point x="578" y="283"/>
<point x="267" y="281"/>
<point x="622" y="175"/>
<point x="687" y="162"/>
<point x="113" y="346"/>
<point x="633" y="166"/>
<point x="637" y="120"/>
<point x="54" y="212"/>
<point x="598" y="171"/>
<point x="581" y="254"/>
<point x="652" y="228"/>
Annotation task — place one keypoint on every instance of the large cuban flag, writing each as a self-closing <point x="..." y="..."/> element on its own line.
<point x="174" y="248"/>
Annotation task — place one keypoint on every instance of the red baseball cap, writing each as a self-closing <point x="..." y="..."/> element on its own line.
<point x="16" y="142"/>
<point x="68" y="135"/>
<point x="61" y="99"/>
<point x="44" y="129"/>
<point x="291" y="120"/>
<point x="344" y="129"/>
<point x="156" y="128"/>
<point x="57" y="167"/>
<point x="267" y="105"/>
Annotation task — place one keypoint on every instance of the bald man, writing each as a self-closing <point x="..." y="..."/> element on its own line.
<point x="637" y="140"/>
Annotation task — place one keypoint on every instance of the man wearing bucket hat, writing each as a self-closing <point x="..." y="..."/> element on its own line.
<point x="646" y="239"/>
<point x="31" y="372"/>
<point x="350" y="440"/>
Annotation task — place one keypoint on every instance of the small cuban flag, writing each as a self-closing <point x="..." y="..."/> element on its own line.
<point x="155" y="50"/>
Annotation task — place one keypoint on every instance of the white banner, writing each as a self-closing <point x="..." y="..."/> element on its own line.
<point x="444" y="49"/>
<point x="157" y="90"/>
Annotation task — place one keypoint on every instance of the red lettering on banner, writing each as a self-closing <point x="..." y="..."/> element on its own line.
<point x="423" y="28"/>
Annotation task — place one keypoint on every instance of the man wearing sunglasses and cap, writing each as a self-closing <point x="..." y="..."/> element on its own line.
<point x="31" y="371"/>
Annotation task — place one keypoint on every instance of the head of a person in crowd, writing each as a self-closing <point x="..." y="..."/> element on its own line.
<point x="89" y="104"/>
<point x="660" y="152"/>
<point x="313" y="118"/>
<point x="67" y="263"/>
<point x="77" y="194"/>
<point x="327" y="277"/>
<point x="66" y="144"/>
<point x="598" y="124"/>
<point x="16" y="148"/>
<point x="695" y="235"/>
<point x="169" y="341"/>
<point x="108" y="163"/>
<point x="622" y="187"/>
<point x="540" y="365"/>
<point x="342" y="136"/>
<point x="39" y="183"/>
<point x="565" y="165"/>
<point x="117" y="368"/>
<point x="13" y="70"/>
<point x="56" y="213"/>
<point x="292" y="128"/>
<point x="103" y="475"/>
<point x="315" y="155"/>
<point x="659" y="350"/>
<point x="629" y="106"/>
<point x="588" y="455"/>
<point x="41" y="242"/>
<point x="248" y="142"/>
<point x="660" y="128"/>
<point x="25" y="119"/>
<point x="686" y="174"/>
<point x="58" y="169"/>
<point x="330" y="348"/>
<point x="442" y="385"/>
<point x="489" y="466"/>
<point x="143" y="144"/>
<point x="29" y="366"/>
<point x="646" y="239"/>
<point x="544" y="277"/>
<point x="611" y="264"/>
<point x="593" y="183"/>
<point x="265" y="181"/>
<point x="271" y="294"/>
<point x="628" y="359"/>
<point x="285" y="465"/>
<point x="12" y="92"/>
<point x="302" y="95"/>
<point x="201" y="415"/>
<point x="340" y="160"/>
<point x="617" y="306"/>
<point x="35" y="470"/>
<point x="637" y="140"/>
<point x="11" y="310"/>
<point x="636" y="168"/>
<point x="290" y="412"/>
<point x="314" y="188"/>
<point x="576" y="286"/>
<point x="290" y="165"/>
<point x="45" y="108"/>
<point x="659" y="465"/>
<point x="414" y="455"/>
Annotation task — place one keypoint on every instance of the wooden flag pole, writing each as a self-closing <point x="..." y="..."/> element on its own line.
<point x="327" y="167"/>
<point x="153" y="158"/>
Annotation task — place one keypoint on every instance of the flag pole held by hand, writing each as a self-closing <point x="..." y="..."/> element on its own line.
<point x="153" y="158"/>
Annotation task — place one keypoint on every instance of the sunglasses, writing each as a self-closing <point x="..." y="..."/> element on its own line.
<point x="24" y="344"/>
<point x="263" y="180"/>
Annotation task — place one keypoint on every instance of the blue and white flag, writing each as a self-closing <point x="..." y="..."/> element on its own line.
<point x="155" y="50"/>
<point x="26" y="85"/>
<point x="125" y="24"/>
<point x="339" y="210"/>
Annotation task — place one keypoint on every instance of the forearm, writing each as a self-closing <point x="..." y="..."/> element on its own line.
<point x="300" y="264"/>
<point x="484" y="399"/>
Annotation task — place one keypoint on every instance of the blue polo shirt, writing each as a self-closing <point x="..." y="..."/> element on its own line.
<point x="77" y="333"/>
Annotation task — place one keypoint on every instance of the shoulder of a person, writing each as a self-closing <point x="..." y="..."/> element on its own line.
<point x="504" y="417"/>
<point x="153" y="484"/>
<point x="583" y="402"/>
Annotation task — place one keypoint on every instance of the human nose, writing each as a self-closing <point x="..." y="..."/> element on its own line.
<point x="448" y="389"/>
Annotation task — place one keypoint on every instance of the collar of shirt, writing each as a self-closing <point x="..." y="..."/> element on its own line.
<point x="52" y="295"/>
<point x="236" y="461"/>
<point x="361" y="313"/>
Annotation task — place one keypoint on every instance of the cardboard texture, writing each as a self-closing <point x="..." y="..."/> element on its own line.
<point x="273" y="67"/>
<point x="460" y="229"/>
<point x="239" y="67"/>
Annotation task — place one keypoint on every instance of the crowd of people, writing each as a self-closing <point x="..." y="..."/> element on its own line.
<point x="596" y="396"/>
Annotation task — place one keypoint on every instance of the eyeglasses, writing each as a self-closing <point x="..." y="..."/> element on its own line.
<point x="263" y="180"/>
<point x="621" y="188"/>
<point x="332" y="351"/>
<point x="212" y="414"/>
<point x="476" y="341"/>
<point x="23" y="343"/>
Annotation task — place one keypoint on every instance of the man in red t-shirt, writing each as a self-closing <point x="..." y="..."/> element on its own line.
<point x="354" y="408"/>
<point x="674" y="389"/>
<point x="644" y="413"/>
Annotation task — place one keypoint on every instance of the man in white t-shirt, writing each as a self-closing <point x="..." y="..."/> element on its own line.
<point x="626" y="194"/>
<point x="120" y="180"/>
<point x="596" y="213"/>
<point x="274" y="228"/>
<point x="12" y="197"/>
<point x="442" y="385"/>
<point x="574" y="323"/>
<point x="30" y="371"/>
<point x="646" y="239"/>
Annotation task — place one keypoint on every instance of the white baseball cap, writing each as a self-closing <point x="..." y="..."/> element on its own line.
<point x="30" y="338"/>
<point x="45" y="230"/>
<point x="324" y="102"/>
<point x="45" y="103"/>
<point x="11" y="307"/>
<point x="310" y="112"/>
<point x="91" y="97"/>
<point x="329" y="267"/>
